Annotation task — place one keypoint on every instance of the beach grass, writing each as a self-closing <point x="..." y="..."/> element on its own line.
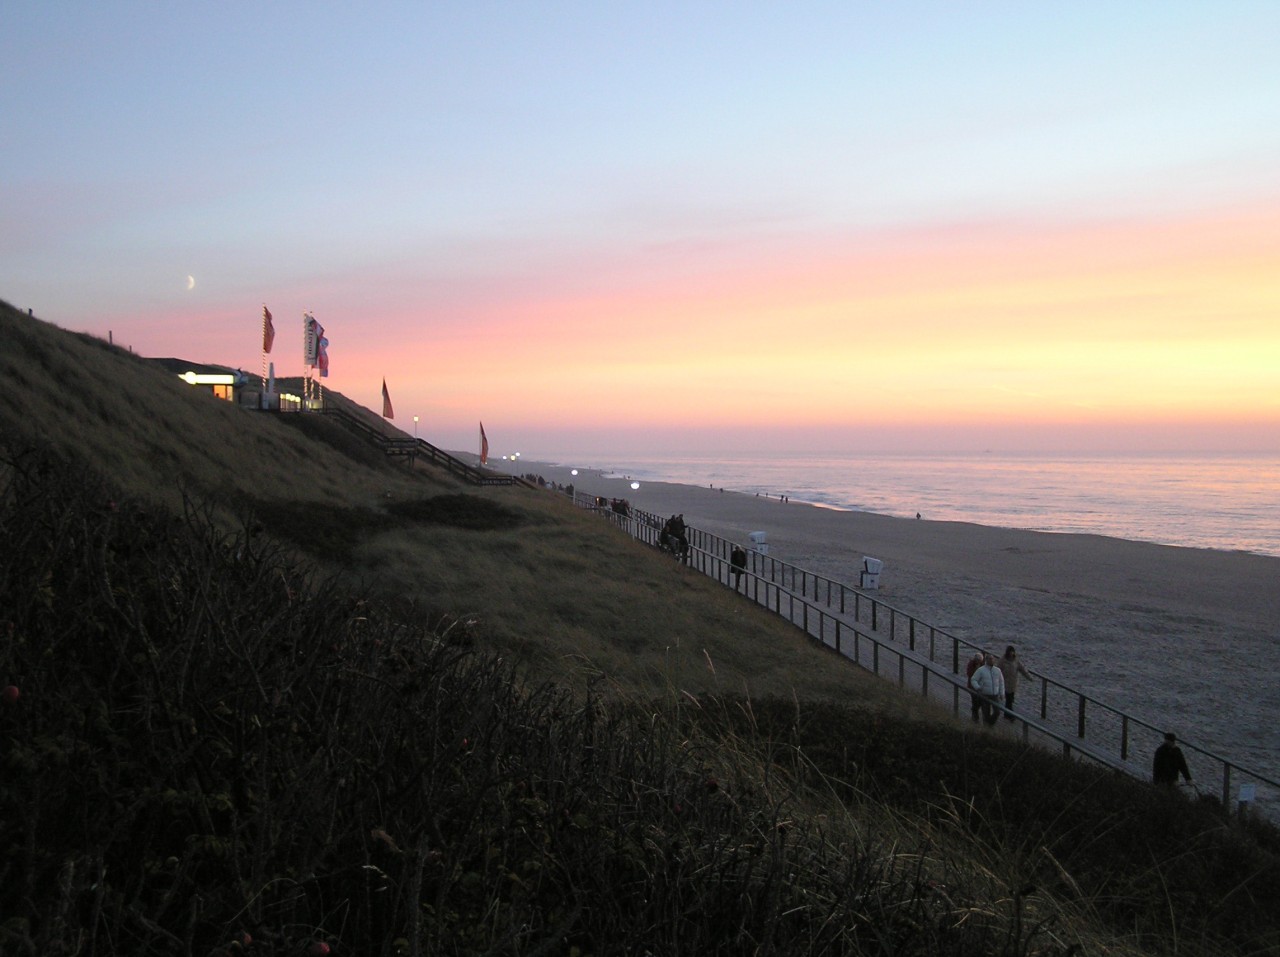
<point x="329" y="698"/>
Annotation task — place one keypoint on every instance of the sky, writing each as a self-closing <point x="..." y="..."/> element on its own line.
<point x="661" y="228"/>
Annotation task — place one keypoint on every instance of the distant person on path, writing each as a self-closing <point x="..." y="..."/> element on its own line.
<point x="1010" y="668"/>
<point x="974" y="698"/>
<point x="989" y="683"/>
<point x="1169" y="763"/>
<point x="673" y="537"/>
<point x="738" y="561"/>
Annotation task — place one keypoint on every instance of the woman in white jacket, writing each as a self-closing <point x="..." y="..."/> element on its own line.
<point x="988" y="682"/>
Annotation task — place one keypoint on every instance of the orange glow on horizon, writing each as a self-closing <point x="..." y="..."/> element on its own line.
<point x="1161" y="321"/>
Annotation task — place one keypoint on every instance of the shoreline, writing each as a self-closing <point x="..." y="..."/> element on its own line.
<point x="1167" y="633"/>
<point x="1216" y="502"/>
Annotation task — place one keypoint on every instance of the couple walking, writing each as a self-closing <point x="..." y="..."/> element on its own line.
<point x="993" y="683"/>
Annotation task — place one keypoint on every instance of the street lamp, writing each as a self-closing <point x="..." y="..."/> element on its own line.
<point x="415" y="428"/>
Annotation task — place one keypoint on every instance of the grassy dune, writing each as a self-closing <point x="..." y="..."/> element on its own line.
<point x="279" y="693"/>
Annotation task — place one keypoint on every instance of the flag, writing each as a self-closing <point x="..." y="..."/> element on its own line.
<point x="311" y="332"/>
<point x="484" y="446"/>
<point x="387" y="411"/>
<point x="268" y="330"/>
<point x="322" y="351"/>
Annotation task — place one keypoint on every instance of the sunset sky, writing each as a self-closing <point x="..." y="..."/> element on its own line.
<point x="605" y="228"/>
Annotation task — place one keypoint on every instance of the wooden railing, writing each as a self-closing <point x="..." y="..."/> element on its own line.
<point x="873" y="634"/>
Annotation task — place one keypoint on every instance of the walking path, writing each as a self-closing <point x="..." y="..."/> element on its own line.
<point x="928" y="660"/>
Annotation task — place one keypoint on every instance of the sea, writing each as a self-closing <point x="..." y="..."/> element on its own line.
<point x="1198" y="500"/>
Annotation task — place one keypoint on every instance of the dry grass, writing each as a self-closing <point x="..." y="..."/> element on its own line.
<point x="154" y="435"/>
<point x="561" y="592"/>
<point x="858" y="773"/>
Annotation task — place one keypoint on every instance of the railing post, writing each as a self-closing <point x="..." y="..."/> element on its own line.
<point x="911" y="633"/>
<point x="875" y="608"/>
<point x="837" y="635"/>
<point x="1044" y="697"/>
<point x="1124" y="737"/>
<point x="1080" y="718"/>
<point x="1226" y="787"/>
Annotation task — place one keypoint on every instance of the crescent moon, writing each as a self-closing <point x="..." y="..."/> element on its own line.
<point x="191" y="282"/>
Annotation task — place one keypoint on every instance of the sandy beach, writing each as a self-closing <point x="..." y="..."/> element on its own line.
<point x="1180" y="637"/>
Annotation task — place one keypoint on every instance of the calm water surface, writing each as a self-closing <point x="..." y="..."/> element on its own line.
<point x="1204" y="501"/>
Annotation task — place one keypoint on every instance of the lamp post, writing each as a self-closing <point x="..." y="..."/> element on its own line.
<point x="415" y="428"/>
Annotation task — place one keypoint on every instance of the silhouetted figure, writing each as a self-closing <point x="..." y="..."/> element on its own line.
<point x="975" y="699"/>
<point x="1169" y="762"/>
<point x="672" y="538"/>
<point x="738" y="561"/>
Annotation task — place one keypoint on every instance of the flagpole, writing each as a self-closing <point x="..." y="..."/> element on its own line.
<point x="264" y="353"/>
<point x="306" y="360"/>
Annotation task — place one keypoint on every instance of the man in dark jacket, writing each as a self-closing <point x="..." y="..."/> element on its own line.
<point x="1169" y="763"/>
<point x="738" y="563"/>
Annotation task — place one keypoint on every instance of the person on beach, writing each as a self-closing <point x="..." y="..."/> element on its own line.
<point x="974" y="698"/>
<point x="1011" y="667"/>
<point x="738" y="562"/>
<point x="988" y="681"/>
<point x="1169" y="762"/>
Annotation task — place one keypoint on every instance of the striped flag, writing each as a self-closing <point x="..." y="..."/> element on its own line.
<point x="268" y="330"/>
<point x="322" y="351"/>
<point x="484" y="446"/>
<point x="387" y="411"/>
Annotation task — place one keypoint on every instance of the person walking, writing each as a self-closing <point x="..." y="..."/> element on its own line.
<point x="989" y="683"/>
<point x="1169" y="762"/>
<point x="975" y="699"/>
<point x="1011" y="668"/>
<point x="738" y="563"/>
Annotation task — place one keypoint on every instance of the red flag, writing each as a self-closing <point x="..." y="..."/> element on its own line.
<point x="387" y="411"/>
<point x="268" y="330"/>
<point x="484" y="446"/>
